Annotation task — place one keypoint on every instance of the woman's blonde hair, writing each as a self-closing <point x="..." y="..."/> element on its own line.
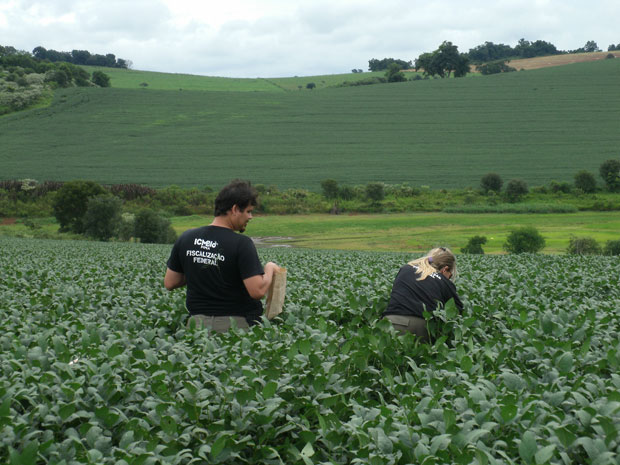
<point x="434" y="261"/>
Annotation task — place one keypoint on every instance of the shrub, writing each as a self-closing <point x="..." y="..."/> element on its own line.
<point x="126" y="226"/>
<point x="524" y="240"/>
<point x="474" y="245"/>
<point x="585" y="181"/>
<point x="375" y="191"/>
<point x="563" y="186"/>
<point x="101" y="79"/>
<point x="515" y="190"/>
<point x="491" y="182"/>
<point x="583" y="246"/>
<point x="330" y="188"/>
<point x="610" y="172"/>
<point x="71" y="202"/>
<point x="346" y="193"/>
<point x="103" y="217"/>
<point x="612" y="248"/>
<point x="149" y="227"/>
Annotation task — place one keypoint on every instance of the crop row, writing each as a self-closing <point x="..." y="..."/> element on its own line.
<point x="98" y="367"/>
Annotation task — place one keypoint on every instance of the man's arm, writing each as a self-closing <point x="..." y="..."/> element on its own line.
<point x="174" y="279"/>
<point x="258" y="285"/>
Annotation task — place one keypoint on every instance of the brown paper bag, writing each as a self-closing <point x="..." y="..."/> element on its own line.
<point x="276" y="294"/>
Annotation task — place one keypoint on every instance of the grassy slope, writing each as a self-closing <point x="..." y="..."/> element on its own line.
<point x="537" y="125"/>
<point x="132" y="79"/>
<point x="419" y="232"/>
<point x="412" y="232"/>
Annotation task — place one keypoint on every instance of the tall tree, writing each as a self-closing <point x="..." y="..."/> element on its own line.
<point x="444" y="61"/>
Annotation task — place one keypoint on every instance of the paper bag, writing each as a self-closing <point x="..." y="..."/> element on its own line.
<point x="276" y="294"/>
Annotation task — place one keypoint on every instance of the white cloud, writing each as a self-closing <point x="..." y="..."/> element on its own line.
<point x="287" y="37"/>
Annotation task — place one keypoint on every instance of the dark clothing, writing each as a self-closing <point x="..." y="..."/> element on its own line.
<point x="215" y="262"/>
<point x="410" y="296"/>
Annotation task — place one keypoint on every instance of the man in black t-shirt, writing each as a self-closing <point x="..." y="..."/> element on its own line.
<point x="224" y="277"/>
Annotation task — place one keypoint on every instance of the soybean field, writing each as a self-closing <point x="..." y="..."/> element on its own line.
<point x="539" y="125"/>
<point x="98" y="365"/>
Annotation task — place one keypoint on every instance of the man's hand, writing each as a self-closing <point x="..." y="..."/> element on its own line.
<point x="258" y="285"/>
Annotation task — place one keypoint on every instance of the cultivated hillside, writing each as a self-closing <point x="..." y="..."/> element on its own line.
<point x="537" y="125"/>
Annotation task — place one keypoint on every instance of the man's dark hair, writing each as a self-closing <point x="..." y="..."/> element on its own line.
<point x="238" y="192"/>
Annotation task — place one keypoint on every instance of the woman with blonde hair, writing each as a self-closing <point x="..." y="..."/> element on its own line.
<point x="422" y="284"/>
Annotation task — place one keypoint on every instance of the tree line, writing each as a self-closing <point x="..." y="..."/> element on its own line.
<point x="447" y="60"/>
<point x="76" y="57"/>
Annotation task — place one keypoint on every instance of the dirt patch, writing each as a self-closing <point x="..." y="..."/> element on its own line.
<point x="559" y="60"/>
<point x="7" y="221"/>
<point x="272" y="241"/>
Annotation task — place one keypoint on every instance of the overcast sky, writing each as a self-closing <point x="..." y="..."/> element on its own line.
<point x="274" y="38"/>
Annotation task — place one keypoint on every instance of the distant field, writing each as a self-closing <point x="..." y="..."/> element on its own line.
<point x="538" y="125"/>
<point x="559" y="60"/>
<point x="132" y="79"/>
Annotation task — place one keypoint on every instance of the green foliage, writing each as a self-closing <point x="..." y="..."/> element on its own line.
<point x="126" y="227"/>
<point x="394" y="74"/>
<point x="347" y="120"/>
<point x="71" y="203"/>
<point x="151" y="228"/>
<point x="583" y="246"/>
<point x="610" y="172"/>
<point x="329" y="188"/>
<point x="98" y="366"/>
<point x="516" y="189"/>
<point x="444" y="61"/>
<point x="612" y="248"/>
<point x="491" y="182"/>
<point x="102" y="219"/>
<point x="101" y="79"/>
<point x="364" y="82"/>
<point x="563" y="186"/>
<point x="524" y="240"/>
<point x="474" y="245"/>
<point x="585" y="181"/>
<point x="385" y="63"/>
<point x="495" y="67"/>
<point x="375" y="191"/>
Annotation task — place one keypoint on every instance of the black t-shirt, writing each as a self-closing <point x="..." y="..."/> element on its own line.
<point x="215" y="262"/>
<point x="409" y="296"/>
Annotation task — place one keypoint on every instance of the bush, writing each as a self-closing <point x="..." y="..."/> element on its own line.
<point x="585" y="181"/>
<point x="330" y="188"/>
<point x="612" y="248"/>
<point x="71" y="202"/>
<point x="126" y="227"/>
<point x="149" y="227"/>
<point x="375" y="191"/>
<point x="346" y="193"/>
<point x="515" y="190"/>
<point x="474" y="245"/>
<point x="583" y="246"/>
<point x="103" y="217"/>
<point x="491" y="182"/>
<point x="610" y="172"/>
<point x="101" y="79"/>
<point x="524" y="240"/>
<point x="563" y="186"/>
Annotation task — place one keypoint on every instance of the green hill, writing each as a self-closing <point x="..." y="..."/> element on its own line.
<point x="537" y="125"/>
<point x="132" y="79"/>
